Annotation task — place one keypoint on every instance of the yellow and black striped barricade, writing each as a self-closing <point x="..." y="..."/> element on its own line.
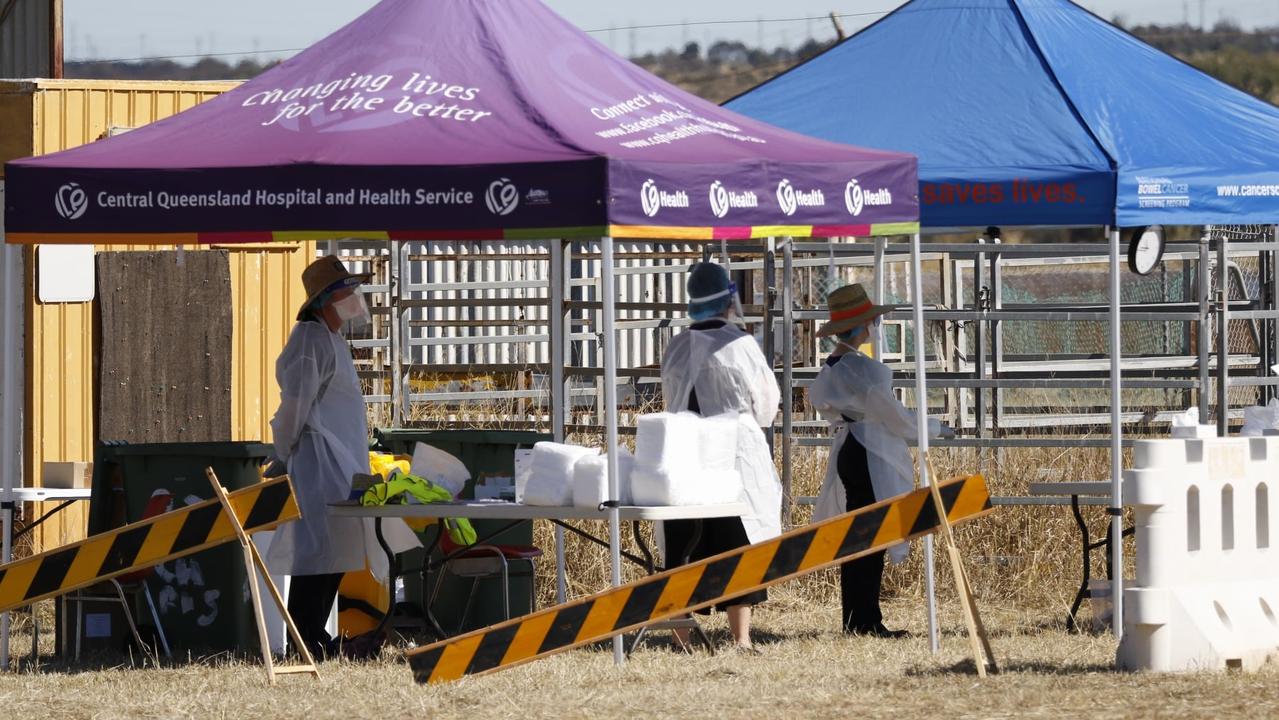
<point x="144" y="544"/>
<point x="700" y="584"/>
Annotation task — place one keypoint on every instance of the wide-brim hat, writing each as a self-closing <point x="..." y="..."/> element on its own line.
<point x="325" y="275"/>
<point x="850" y="306"/>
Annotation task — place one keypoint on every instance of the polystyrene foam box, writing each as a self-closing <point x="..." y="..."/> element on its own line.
<point x="718" y="448"/>
<point x="551" y="481"/>
<point x="590" y="479"/>
<point x="668" y="440"/>
<point x="662" y="486"/>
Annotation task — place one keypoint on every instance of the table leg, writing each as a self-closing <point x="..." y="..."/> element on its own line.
<point x="688" y="622"/>
<point x="649" y="565"/>
<point x="35" y="635"/>
<point x="1087" y="563"/>
<point x="392" y="574"/>
<point x="427" y="594"/>
<point x="61" y="506"/>
<point x="602" y="543"/>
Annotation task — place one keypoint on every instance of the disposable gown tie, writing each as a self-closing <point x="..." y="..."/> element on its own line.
<point x="861" y="387"/>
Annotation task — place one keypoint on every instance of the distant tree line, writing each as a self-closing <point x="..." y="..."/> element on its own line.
<point x="1248" y="60"/>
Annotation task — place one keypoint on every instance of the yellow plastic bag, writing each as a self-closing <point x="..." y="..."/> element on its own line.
<point x="385" y="464"/>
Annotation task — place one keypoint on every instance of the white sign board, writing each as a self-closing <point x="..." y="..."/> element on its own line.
<point x="65" y="273"/>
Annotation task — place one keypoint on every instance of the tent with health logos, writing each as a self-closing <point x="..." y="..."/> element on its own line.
<point x="455" y="119"/>
<point x="1037" y="113"/>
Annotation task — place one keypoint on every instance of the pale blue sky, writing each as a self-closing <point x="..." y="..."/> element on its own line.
<point x="135" y="28"/>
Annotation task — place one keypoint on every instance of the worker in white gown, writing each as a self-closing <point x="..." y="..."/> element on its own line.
<point x="713" y="368"/>
<point x="321" y="435"/>
<point x="869" y="457"/>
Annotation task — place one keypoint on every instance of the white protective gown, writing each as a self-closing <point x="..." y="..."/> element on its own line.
<point x="730" y="374"/>
<point x="861" y="388"/>
<point x="321" y="432"/>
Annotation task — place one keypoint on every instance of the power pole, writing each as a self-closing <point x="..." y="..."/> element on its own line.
<point x="55" y="38"/>
<point x="839" y="27"/>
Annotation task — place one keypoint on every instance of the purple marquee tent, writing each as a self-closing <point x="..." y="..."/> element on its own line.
<point x="457" y="118"/>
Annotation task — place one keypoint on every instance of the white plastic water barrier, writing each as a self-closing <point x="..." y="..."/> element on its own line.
<point x="1207" y="587"/>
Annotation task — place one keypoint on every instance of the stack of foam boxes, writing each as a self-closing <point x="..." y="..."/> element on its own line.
<point x="1207" y="589"/>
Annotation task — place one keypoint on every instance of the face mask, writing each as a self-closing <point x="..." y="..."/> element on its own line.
<point x="701" y="315"/>
<point x="855" y="338"/>
<point x="353" y="310"/>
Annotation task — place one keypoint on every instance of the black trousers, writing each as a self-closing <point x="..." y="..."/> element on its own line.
<point x="719" y="535"/>
<point x="310" y="602"/>
<point x="860" y="579"/>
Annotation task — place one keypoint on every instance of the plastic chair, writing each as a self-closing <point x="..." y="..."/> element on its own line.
<point x="480" y="562"/>
<point x="134" y="583"/>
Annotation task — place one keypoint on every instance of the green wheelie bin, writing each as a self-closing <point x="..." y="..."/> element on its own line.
<point x="202" y="599"/>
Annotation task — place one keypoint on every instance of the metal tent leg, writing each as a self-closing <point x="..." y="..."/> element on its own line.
<point x="1116" y="438"/>
<point x="610" y="440"/>
<point x="921" y="426"/>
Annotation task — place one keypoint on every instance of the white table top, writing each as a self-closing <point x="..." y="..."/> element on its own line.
<point x="40" y="494"/>
<point x="502" y="510"/>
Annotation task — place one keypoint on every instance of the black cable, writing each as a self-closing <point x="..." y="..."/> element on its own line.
<point x="597" y="30"/>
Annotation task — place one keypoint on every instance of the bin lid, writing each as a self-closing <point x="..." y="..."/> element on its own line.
<point x="467" y="437"/>
<point x="198" y="449"/>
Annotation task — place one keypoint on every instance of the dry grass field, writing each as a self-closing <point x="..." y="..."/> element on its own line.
<point x="1023" y="561"/>
<point x="806" y="670"/>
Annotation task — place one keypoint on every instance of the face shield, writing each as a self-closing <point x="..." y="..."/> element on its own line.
<point x="353" y="311"/>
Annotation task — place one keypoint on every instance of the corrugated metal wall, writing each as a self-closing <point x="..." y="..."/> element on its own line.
<point x="266" y="292"/>
<point x="266" y="289"/>
<point x="24" y="40"/>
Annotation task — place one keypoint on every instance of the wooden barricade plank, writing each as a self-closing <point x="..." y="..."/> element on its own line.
<point x="144" y="544"/>
<point x="699" y="584"/>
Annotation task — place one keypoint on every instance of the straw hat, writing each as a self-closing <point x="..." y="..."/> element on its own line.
<point x="327" y="273"/>
<point x="850" y="307"/>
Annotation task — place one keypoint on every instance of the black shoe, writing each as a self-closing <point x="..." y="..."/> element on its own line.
<point x="877" y="630"/>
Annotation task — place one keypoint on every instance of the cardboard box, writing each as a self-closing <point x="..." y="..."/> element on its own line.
<point x="68" y="475"/>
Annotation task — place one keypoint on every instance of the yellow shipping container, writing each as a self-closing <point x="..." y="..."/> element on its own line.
<point x="44" y="116"/>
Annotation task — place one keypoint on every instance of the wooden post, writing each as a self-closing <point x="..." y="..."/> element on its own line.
<point x="839" y="27"/>
<point x="253" y="564"/>
<point x="983" y="655"/>
<point x="55" y="38"/>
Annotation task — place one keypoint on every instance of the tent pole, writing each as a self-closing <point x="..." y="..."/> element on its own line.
<point x="1272" y="279"/>
<point x="881" y="244"/>
<point x="769" y="339"/>
<point x="1223" y="337"/>
<point x="921" y="426"/>
<point x="12" y="295"/>
<point x="610" y="423"/>
<point x="1204" y="339"/>
<point x="397" y="332"/>
<point x="559" y="345"/>
<point x="979" y="328"/>
<point x="1116" y="509"/>
<point x="788" y="377"/>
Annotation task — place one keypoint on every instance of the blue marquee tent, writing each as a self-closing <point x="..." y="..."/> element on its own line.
<point x="1036" y="113"/>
